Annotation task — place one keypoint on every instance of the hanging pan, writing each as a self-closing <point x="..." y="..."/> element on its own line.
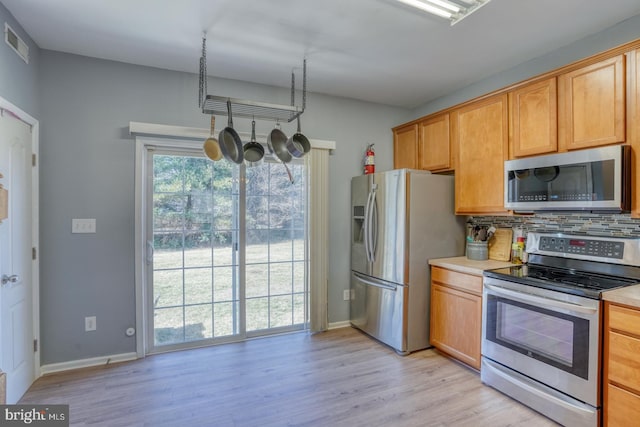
<point x="277" y="143"/>
<point x="230" y="142"/>
<point x="211" y="147"/>
<point x="253" y="150"/>
<point x="298" y="144"/>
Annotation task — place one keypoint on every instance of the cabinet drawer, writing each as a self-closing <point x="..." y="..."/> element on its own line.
<point x="462" y="281"/>
<point x="624" y="360"/>
<point x="624" y="319"/>
<point x="621" y="407"/>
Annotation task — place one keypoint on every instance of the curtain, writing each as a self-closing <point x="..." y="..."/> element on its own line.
<point x="318" y="167"/>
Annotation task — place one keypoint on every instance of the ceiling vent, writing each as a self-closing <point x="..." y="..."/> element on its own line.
<point x="16" y="43"/>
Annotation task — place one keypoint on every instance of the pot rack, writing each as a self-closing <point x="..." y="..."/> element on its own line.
<point x="214" y="104"/>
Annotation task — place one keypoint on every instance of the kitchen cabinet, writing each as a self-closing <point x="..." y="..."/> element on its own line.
<point x="423" y="145"/>
<point x="621" y="365"/>
<point x="405" y="146"/>
<point x="434" y="144"/>
<point x="480" y="133"/>
<point x="533" y="119"/>
<point x="633" y="127"/>
<point x="592" y="105"/>
<point x="456" y="314"/>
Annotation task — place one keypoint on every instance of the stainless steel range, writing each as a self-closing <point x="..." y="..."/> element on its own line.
<point x="542" y="322"/>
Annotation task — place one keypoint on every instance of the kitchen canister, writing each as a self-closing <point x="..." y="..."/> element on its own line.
<point x="478" y="251"/>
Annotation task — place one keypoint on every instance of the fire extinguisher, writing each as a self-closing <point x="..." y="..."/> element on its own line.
<point x="369" y="160"/>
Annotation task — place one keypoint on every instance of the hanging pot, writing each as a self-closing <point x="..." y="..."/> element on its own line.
<point x="211" y="147"/>
<point x="277" y="143"/>
<point x="253" y="150"/>
<point x="230" y="142"/>
<point x="298" y="144"/>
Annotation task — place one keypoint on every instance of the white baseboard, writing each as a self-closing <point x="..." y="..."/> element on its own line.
<point x="338" y="325"/>
<point x="86" y="363"/>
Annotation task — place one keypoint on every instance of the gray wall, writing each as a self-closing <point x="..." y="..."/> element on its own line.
<point x="18" y="80"/>
<point x="619" y="34"/>
<point x="87" y="171"/>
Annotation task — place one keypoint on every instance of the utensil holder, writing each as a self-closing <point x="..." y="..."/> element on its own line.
<point x="478" y="251"/>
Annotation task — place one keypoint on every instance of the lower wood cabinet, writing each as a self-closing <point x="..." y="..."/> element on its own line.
<point x="621" y="365"/>
<point x="456" y="314"/>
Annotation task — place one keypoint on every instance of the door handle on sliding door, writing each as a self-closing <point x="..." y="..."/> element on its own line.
<point x="150" y="250"/>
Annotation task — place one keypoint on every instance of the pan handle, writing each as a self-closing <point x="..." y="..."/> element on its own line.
<point x="230" y="124"/>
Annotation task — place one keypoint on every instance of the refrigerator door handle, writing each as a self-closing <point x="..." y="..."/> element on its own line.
<point x="367" y="227"/>
<point x="374" y="224"/>
<point x="376" y="283"/>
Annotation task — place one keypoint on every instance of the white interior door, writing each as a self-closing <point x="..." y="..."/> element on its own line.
<point x="16" y="294"/>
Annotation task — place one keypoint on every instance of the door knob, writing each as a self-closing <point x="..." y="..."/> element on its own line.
<point x="9" y="279"/>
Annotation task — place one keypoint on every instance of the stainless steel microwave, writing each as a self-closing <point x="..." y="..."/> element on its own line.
<point x="598" y="179"/>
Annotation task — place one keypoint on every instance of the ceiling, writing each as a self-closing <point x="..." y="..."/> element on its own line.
<point x="374" y="50"/>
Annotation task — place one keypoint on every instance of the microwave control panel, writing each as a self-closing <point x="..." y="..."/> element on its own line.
<point x="579" y="246"/>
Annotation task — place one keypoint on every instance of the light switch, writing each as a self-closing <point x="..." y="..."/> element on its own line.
<point x="83" y="225"/>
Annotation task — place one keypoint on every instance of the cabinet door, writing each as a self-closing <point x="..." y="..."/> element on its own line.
<point x="455" y="326"/>
<point x="592" y="105"/>
<point x="633" y="127"/>
<point x="405" y="147"/>
<point x="480" y="135"/>
<point x="533" y="119"/>
<point x="434" y="147"/>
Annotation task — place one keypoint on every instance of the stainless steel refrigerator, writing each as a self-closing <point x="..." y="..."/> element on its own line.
<point x="400" y="220"/>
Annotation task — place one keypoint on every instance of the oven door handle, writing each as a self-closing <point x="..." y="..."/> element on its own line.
<point x="548" y="302"/>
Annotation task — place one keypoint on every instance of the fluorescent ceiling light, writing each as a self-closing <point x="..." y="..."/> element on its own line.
<point x="446" y="5"/>
<point x="427" y="8"/>
<point x="453" y="10"/>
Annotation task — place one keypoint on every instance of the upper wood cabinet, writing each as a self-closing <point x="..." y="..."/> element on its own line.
<point x="633" y="128"/>
<point x="434" y="145"/>
<point x="424" y="145"/>
<point x="533" y="119"/>
<point x="591" y="103"/>
<point x="480" y="135"/>
<point x="405" y="147"/>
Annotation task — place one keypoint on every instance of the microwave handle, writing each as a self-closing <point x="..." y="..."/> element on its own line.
<point x="539" y="300"/>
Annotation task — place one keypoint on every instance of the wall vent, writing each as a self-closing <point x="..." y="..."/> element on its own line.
<point x="16" y="43"/>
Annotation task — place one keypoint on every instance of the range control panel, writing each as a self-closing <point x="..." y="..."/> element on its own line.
<point x="580" y="246"/>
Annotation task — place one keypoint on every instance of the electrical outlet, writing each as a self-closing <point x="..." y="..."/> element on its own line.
<point x="346" y="295"/>
<point x="83" y="225"/>
<point x="90" y="323"/>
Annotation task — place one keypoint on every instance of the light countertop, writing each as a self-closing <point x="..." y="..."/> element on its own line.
<point x="462" y="264"/>
<point x="629" y="295"/>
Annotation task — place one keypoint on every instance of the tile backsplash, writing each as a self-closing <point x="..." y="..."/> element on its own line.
<point x="621" y="225"/>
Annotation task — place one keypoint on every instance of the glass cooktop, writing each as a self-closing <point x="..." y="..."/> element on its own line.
<point x="563" y="280"/>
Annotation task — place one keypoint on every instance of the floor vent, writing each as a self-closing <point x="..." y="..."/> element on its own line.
<point x="16" y="43"/>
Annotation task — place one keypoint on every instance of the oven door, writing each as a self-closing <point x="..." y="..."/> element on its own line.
<point x="548" y="336"/>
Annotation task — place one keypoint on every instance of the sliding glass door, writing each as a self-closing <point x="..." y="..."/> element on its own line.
<point x="276" y="261"/>
<point x="227" y="250"/>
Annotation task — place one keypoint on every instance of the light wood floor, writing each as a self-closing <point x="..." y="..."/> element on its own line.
<point x="336" y="378"/>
